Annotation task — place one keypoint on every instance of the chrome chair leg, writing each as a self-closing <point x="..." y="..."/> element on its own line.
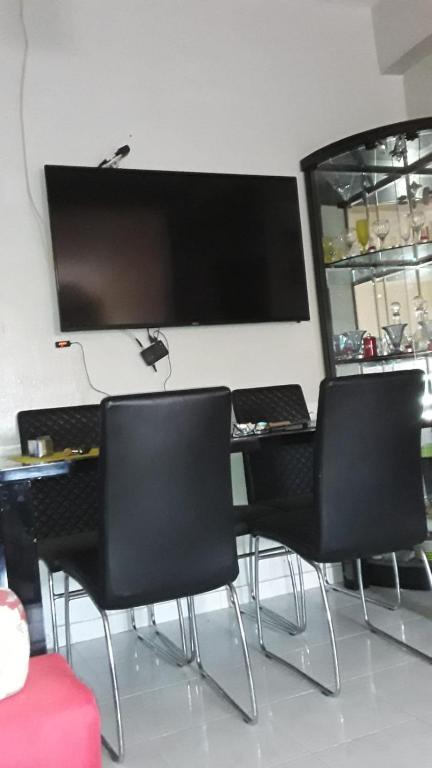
<point x="302" y="591"/>
<point x="374" y="601"/>
<point x="53" y="611"/>
<point x="162" y="644"/>
<point x="380" y="632"/>
<point x="270" y="655"/>
<point x="67" y="619"/>
<point x="273" y="619"/>
<point x="250" y="569"/>
<point x="117" y="756"/>
<point x="248" y="717"/>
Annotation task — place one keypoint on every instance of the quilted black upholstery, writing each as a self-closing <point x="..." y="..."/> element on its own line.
<point x="276" y="403"/>
<point x="64" y="505"/>
<point x="279" y="468"/>
<point x="69" y="427"/>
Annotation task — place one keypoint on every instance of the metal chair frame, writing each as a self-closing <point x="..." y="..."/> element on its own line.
<point x="270" y="655"/>
<point x="269" y="617"/>
<point x="381" y="603"/>
<point x="117" y="753"/>
<point x="162" y="644"/>
<point x="380" y="632"/>
<point x="249" y="717"/>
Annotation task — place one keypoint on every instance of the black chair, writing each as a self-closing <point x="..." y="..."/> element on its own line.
<point x="275" y="474"/>
<point x="367" y="489"/>
<point x="65" y="509"/>
<point x="166" y="528"/>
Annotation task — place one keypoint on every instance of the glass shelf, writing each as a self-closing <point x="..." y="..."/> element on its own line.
<point x="381" y="175"/>
<point x="410" y="255"/>
<point x="379" y="157"/>
<point x="382" y="358"/>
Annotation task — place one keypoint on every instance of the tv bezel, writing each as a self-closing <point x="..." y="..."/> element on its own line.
<point x="64" y="327"/>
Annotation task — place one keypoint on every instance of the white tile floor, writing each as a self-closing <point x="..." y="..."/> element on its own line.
<point x="173" y="720"/>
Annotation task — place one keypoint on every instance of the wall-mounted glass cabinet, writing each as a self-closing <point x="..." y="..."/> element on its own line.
<point x="370" y="210"/>
<point x="370" y="206"/>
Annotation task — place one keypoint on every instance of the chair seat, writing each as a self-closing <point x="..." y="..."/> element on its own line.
<point x="51" y="551"/>
<point x="291" y="523"/>
<point x="246" y="514"/>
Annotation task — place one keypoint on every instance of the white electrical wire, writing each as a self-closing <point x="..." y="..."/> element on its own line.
<point x="36" y="212"/>
<point x="158" y="333"/>
<point x="91" y="385"/>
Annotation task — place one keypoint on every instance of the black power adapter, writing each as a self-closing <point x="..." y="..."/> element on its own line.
<point x="155" y="352"/>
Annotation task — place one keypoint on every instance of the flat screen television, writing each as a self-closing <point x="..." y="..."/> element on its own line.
<point x="137" y="248"/>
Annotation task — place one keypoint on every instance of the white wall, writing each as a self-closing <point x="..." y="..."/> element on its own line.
<point x="418" y="88"/>
<point x="403" y="33"/>
<point x="245" y="86"/>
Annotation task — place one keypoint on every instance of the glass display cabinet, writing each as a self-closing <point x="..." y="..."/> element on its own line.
<point x="370" y="211"/>
<point x="370" y="206"/>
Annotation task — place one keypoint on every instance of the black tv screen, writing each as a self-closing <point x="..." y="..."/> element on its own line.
<point x="136" y="249"/>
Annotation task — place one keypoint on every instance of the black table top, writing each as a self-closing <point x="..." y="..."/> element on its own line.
<point x="13" y="471"/>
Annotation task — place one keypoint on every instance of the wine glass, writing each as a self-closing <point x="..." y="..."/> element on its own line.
<point x="349" y="238"/>
<point x="417" y="222"/>
<point x="362" y="230"/>
<point x="381" y="228"/>
<point x="405" y="228"/>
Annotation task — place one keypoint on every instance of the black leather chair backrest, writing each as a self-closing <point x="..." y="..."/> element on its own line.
<point x="367" y="475"/>
<point x="68" y="427"/>
<point x="278" y="469"/>
<point x="65" y="505"/>
<point x="168" y="519"/>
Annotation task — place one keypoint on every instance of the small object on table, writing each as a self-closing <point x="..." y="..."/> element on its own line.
<point x="80" y="451"/>
<point x="40" y="446"/>
<point x="261" y="426"/>
<point x="242" y="430"/>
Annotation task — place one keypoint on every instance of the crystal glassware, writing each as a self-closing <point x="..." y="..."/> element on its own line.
<point x="417" y="222"/>
<point x="395" y="333"/>
<point x="349" y="237"/>
<point x="353" y="343"/>
<point x="329" y="250"/>
<point x="405" y="228"/>
<point x="339" y="344"/>
<point x="395" y="310"/>
<point x="362" y="230"/>
<point x="381" y="228"/>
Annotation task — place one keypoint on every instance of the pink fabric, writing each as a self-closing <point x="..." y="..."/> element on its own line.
<point x="53" y="722"/>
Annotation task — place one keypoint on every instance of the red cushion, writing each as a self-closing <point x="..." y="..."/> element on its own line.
<point x="53" y="722"/>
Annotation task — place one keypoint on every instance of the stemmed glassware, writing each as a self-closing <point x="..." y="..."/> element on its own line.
<point x="381" y="228"/>
<point x="405" y="227"/>
<point x="349" y="238"/>
<point x="395" y="331"/>
<point x="417" y="222"/>
<point x="362" y="230"/>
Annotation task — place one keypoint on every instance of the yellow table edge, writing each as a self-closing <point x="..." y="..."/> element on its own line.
<point x="93" y="453"/>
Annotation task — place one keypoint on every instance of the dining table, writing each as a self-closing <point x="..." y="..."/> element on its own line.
<point x="19" y="563"/>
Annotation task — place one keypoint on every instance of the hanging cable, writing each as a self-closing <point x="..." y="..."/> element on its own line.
<point x="91" y="385"/>
<point x="159" y="333"/>
<point x="133" y="337"/>
<point x="36" y="212"/>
